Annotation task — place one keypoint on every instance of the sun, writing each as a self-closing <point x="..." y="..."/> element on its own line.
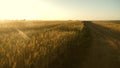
<point x="30" y="9"/>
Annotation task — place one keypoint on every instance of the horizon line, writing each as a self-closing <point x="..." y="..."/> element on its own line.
<point x="57" y="20"/>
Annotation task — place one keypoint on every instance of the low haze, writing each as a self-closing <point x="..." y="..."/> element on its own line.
<point x="60" y="9"/>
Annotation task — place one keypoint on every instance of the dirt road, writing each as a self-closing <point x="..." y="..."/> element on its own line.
<point x="105" y="48"/>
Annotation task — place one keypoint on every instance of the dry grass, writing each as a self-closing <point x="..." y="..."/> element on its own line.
<point x="114" y="25"/>
<point x="34" y="44"/>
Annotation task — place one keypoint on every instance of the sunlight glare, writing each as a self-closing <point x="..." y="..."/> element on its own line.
<point x="28" y="9"/>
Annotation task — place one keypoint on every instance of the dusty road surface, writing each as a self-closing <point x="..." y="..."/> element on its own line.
<point x="105" y="49"/>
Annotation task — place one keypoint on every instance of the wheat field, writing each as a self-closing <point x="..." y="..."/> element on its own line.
<point x="34" y="44"/>
<point x="59" y="44"/>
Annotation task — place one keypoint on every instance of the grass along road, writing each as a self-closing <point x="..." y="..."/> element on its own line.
<point x="54" y="44"/>
<point x="51" y="45"/>
<point x="105" y="49"/>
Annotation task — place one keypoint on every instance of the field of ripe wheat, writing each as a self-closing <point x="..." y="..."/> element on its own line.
<point x="113" y="25"/>
<point x="38" y="44"/>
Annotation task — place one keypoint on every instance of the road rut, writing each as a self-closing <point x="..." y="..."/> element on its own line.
<point x="105" y="48"/>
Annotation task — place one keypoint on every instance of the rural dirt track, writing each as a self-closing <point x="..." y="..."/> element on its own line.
<point x="105" y="49"/>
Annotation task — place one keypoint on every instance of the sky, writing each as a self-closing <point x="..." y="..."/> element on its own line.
<point x="60" y="9"/>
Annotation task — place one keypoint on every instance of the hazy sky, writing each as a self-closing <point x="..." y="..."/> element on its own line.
<point x="60" y="9"/>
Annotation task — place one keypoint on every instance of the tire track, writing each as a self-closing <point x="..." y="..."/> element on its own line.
<point x="104" y="51"/>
